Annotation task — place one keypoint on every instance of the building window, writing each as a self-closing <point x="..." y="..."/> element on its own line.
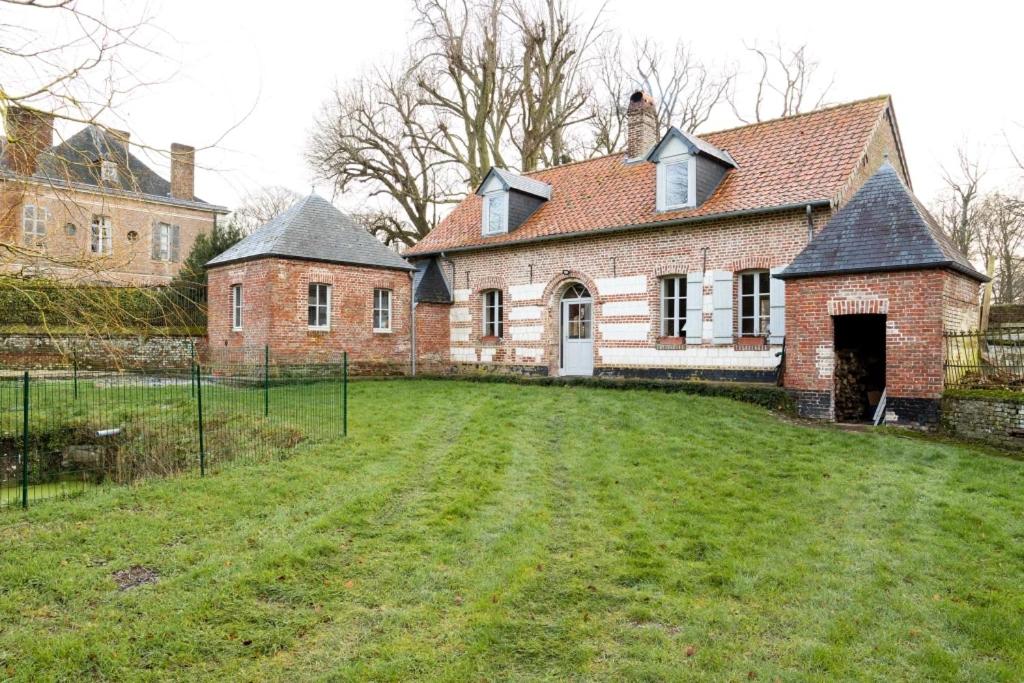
<point x="492" y="313"/>
<point x="33" y="222"/>
<point x="676" y="182"/>
<point x="673" y="306"/>
<point x="236" y="307"/>
<point x="382" y="310"/>
<point x="165" y="242"/>
<point x="70" y="229"/>
<point x="495" y="212"/>
<point x="108" y="171"/>
<point x="755" y="306"/>
<point x="319" y="307"/>
<point x="102" y="241"/>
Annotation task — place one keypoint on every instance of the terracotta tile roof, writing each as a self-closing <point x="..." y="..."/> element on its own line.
<point x="792" y="160"/>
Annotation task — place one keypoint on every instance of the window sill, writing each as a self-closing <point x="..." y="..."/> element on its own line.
<point x="382" y="331"/>
<point x="670" y="343"/>
<point x="318" y="330"/>
<point x="751" y="344"/>
<point x="490" y="341"/>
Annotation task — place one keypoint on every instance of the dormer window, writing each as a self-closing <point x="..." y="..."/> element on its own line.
<point x="495" y="213"/>
<point x="108" y="171"/>
<point x="678" y="156"/>
<point x="676" y="182"/>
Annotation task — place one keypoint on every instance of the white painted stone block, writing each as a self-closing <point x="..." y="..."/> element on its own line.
<point x="633" y="284"/>
<point x="689" y="358"/>
<point x="525" y="313"/>
<point x="460" y="334"/>
<point x="523" y="353"/>
<point x="526" y="292"/>
<point x="623" y="308"/>
<point x="459" y="315"/>
<point x="624" y="331"/>
<point x="486" y="355"/>
<point x="460" y="295"/>
<point x="462" y="355"/>
<point x="527" y="332"/>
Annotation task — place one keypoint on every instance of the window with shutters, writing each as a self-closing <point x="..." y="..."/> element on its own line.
<point x="492" y="313"/>
<point x="102" y="236"/>
<point x="319" y="306"/>
<point x="236" y="307"/>
<point x="755" y="303"/>
<point x="673" y="306"/>
<point x="382" y="310"/>
<point x="166" y="242"/>
<point x="33" y="223"/>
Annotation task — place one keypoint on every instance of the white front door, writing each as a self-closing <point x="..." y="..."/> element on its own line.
<point x="577" y="336"/>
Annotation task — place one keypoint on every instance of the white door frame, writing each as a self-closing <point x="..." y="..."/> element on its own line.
<point x="577" y="355"/>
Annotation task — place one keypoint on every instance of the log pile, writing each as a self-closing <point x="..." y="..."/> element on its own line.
<point x="851" y="391"/>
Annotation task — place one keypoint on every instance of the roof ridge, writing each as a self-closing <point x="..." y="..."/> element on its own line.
<point x="803" y="114"/>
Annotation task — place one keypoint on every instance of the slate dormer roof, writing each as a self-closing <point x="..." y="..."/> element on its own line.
<point x="781" y="164"/>
<point x="77" y="161"/>
<point x="882" y="228"/>
<point x="429" y="283"/>
<point x="696" y="145"/>
<point x="521" y="183"/>
<point x="312" y="229"/>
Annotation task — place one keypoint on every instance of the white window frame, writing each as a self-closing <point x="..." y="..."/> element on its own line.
<point x="486" y="227"/>
<point x="493" y="310"/>
<point x="314" y="303"/>
<point x="101" y="235"/>
<point x="108" y="171"/>
<point x="34" y="227"/>
<point x="664" y="165"/>
<point x="757" y="295"/>
<point x="237" y="304"/>
<point x="164" y="240"/>
<point x="381" y="307"/>
<point x="677" y="321"/>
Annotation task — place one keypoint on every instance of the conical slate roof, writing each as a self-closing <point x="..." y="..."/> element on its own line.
<point x="313" y="229"/>
<point x="882" y="228"/>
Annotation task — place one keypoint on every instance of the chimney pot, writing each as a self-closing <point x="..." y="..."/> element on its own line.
<point x="641" y="125"/>
<point x="183" y="171"/>
<point x="29" y="133"/>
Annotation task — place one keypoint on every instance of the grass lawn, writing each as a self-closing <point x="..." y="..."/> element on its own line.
<point x="494" y="532"/>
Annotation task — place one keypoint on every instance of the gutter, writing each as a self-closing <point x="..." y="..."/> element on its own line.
<point x="783" y="208"/>
<point x="940" y="265"/>
<point x="213" y="263"/>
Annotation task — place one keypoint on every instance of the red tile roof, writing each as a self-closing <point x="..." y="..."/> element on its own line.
<point x="792" y="160"/>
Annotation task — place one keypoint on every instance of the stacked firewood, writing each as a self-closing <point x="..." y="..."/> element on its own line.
<point x="850" y="374"/>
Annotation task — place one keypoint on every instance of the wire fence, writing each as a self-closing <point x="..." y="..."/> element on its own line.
<point x="66" y="431"/>
<point x="994" y="358"/>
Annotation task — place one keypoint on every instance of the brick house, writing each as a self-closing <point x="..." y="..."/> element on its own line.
<point x="88" y="210"/>
<point x="310" y="284"/>
<point x="660" y="261"/>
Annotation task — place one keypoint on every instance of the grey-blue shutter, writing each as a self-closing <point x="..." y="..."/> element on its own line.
<point x="694" y="308"/>
<point x="721" y="297"/>
<point x="777" y="302"/>
<point x="175" y="255"/>
<point x="155" y="250"/>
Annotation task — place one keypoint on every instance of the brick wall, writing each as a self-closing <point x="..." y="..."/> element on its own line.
<point x="275" y="296"/>
<point x="917" y="305"/>
<point x="432" y="335"/>
<point x="68" y="256"/>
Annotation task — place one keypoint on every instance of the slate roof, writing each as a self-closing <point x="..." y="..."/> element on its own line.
<point x="75" y="161"/>
<point x="694" y="143"/>
<point x="429" y="284"/>
<point x="514" y="181"/>
<point x="882" y="228"/>
<point x="790" y="161"/>
<point x="313" y="229"/>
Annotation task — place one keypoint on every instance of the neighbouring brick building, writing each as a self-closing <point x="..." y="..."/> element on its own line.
<point x="661" y="261"/>
<point x="88" y="210"/>
<point x="310" y="284"/>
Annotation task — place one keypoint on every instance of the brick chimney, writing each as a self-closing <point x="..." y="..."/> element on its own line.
<point x="183" y="171"/>
<point x="29" y="132"/>
<point x="641" y="125"/>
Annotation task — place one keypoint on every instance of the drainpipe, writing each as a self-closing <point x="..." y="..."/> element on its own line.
<point x="412" y="321"/>
<point x="810" y="224"/>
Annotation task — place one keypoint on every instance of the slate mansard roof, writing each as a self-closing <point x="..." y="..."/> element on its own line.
<point x="882" y="228"/>
<point x="312" y="229"/>
<point x="787" y="162"/>
<point x="74" y="162"/>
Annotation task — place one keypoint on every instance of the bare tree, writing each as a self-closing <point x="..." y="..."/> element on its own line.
<point x="258" y="207"/>
<point x="786" y="83"/>
<point x="1001" y="237"/>
<point x="379" y="134"/>
<point x="958" y="208"/>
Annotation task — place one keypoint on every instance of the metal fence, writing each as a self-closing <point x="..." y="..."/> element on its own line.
<point x="65" y="431"/>
<point x="994" y="358"/>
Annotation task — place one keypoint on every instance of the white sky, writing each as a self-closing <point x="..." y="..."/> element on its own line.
<point x="951" y="72"/>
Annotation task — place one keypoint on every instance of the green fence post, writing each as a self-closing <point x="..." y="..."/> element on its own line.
<point x="24" y="443"/>
<point x="344" y="395"/>
<point x="74" y="365"/>
<point x="199" y="407"/>
<point x="192" y="368"/>
<point x="266" y="380"/>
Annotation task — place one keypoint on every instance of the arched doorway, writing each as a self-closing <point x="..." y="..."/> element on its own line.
<point x="577" y="331"/>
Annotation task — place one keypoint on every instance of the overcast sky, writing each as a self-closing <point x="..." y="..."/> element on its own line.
<point x="259" y="72"/>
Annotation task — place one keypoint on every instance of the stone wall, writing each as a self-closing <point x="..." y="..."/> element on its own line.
<point x="37" y="351"/>
<point x="996" y="420"/>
